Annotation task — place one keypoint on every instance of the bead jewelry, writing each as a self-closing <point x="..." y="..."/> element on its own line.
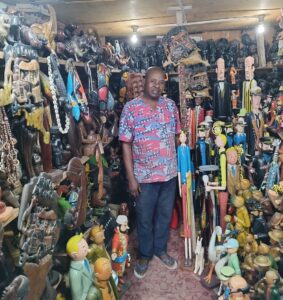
<point x="55" y="101"/>
<point x="8" y="159"/>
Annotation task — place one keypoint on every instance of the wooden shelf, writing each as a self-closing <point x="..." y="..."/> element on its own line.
<point x="13" y="217"/>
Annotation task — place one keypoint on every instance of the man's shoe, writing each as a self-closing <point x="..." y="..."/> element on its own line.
<point x="168" y="261"/>
<point x="141" y="268"/>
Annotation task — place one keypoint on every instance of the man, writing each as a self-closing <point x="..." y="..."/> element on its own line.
<point x="147" y="129"/>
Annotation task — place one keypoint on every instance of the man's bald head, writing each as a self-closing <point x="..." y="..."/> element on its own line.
<point x="152" y="70"/>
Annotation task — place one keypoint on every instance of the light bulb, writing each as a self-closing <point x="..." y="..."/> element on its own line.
<point x="134" y="38"/>
<point x="260" y="28"/>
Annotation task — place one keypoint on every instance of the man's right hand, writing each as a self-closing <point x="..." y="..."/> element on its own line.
<point x="134" y="187"/>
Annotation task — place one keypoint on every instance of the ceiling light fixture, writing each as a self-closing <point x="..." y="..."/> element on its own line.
<point x="260" y="28"/>
<point x="134" y="37"/>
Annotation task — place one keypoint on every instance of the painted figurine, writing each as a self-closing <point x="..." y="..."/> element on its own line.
<point x="232" y="247"/>
<point x="184" y="180"/>
<point x="103" y="274"/>
<point x="222" y="105"/>
<point x="80" y="273"/>
<point x="233" y="170"/>
<point x="255" y="122"/>
<point x="269" y="287"/>
<point x="240" y="137"/>
<point x="242" y="215"/>
<point x="239" y="288"/>
<point x="249" y="83"/>
<point x="120" y="255"/>
<point x="226" y="273"/>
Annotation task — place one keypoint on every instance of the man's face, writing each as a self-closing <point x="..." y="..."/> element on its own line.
<point x="201" y="134"/>
<point x="240" y="128"/>
<point x="124" y="227"/>
<point x="99" y="237"/>
<point x="198" y="100"/>
<point x="266" y="148"/>
<point x="256" y="101"/>
<point x="220" y="69"/>
<point x="154" y="84"/>
<point x="82" y="251"/>
<point x="232" y="157"/>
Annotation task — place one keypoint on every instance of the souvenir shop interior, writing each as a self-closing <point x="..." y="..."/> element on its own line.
<point x="69" y="70"/>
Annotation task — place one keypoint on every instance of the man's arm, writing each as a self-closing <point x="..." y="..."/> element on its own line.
<point x="128" y="161"/>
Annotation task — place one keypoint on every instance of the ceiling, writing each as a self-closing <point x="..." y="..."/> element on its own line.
<point x="115" y="17"/>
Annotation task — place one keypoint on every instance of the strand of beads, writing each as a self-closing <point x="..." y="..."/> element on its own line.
<point x="55" y="101"/>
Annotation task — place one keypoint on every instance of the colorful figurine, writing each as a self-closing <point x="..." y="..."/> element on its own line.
<point x="249" y="83"/>
<point x="184" y="180"/>
<point x="232" y="247"/>
<point x="233" y="170"/>
<point x="269" y="287"/>
<point x="80" y="273"/>
<point x="242" y="215"/>
<point x="103" y="274"/>
<point x="222" y="106"/>
<point x="226" y="273"/>
<point x="239" y="288"/>
<point x="255" y="122"/>
<point x="120" y="255"/>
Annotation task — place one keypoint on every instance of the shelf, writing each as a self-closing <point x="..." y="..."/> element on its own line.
<point x="13" y="217"/>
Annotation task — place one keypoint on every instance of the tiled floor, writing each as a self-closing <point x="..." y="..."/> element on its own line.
<point x="163" y="284"/>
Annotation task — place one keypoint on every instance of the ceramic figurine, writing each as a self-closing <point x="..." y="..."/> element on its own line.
<point x="260" y="162"/>
<point x="232" y="247"/>
<point x="81" y="272"/>
<point x="239" y="288"/>
<point x="97" y="249"/>
<point x="222" y="106"/>
<point x="103" y="272"/>
<point x="255" y="122"/>
<point x="226" y="273"/>
<point x="249" y="83"/>
<point x="270" y="287"/>
<point x="242" y="215"/>
<point x="233" y="170"/>
<point x="240" y="137"/>
<point x="120" y="255"/>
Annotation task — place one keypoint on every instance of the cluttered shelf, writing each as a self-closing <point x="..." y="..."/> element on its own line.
<point x="43" y="60"/>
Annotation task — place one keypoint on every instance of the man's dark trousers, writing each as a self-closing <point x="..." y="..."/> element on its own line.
<point x="154" y="211"/>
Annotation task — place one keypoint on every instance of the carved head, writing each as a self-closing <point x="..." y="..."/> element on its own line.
<point x="220" y="69"/>
<point x="249" y="68"/>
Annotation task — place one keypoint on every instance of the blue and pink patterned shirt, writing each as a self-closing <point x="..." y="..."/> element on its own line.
<point x="152" y="134"/>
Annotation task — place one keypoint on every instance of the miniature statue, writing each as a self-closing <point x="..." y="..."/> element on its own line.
<point x="80" y="273"/>
<point x="199" y="263"/>
<point x="270" y="287"/>
<point x="226" y="273"/>
<point x="260" y="162"/>
<point x="239" y="288"/>
<point x="233" y="170"/>
<point x="120" y="255"/>
<point x="229" y="132"/>
<point x="249" y="83"/>
<point x="255" y="122"/>
<point x="103" y="274"/>
<point x="185" y="190"/>
<point x="232" y="247"/>
<point x="240" y="137"/>
<point x="97" y="249"/>
<point x="242" y="215"/>
<point x="222" y="107"/>
<point x="221" y="185"/>
<point x="259" y="227"/>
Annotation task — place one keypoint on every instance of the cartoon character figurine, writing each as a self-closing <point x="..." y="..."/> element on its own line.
<point x="120" y="255"/>
<point x="242" y="215"/>
<point x="232" y="247"/>
<point x="239" y="288"/>
<point x="80" y="273"/>
<point x="226" y="273"/>
<point x="233" y="170"/>
<point x="269" y="287"/>
<point x="103" y="271"/>
<point x="222" y="106"/>
<point x="184" y="180"/>
<point x="249" y="83"/>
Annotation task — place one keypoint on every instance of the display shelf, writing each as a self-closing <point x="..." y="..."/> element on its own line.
<point x="13" y="217"/>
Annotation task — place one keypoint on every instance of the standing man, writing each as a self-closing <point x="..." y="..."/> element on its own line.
<point x="148" y="127"/>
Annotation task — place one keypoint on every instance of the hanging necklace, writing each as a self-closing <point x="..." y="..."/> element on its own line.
<point x="8" y="159"/>
<point x="55" y="101"/>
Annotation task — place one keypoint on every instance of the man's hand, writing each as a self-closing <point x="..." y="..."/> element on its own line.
<point x="134" y="187"/>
